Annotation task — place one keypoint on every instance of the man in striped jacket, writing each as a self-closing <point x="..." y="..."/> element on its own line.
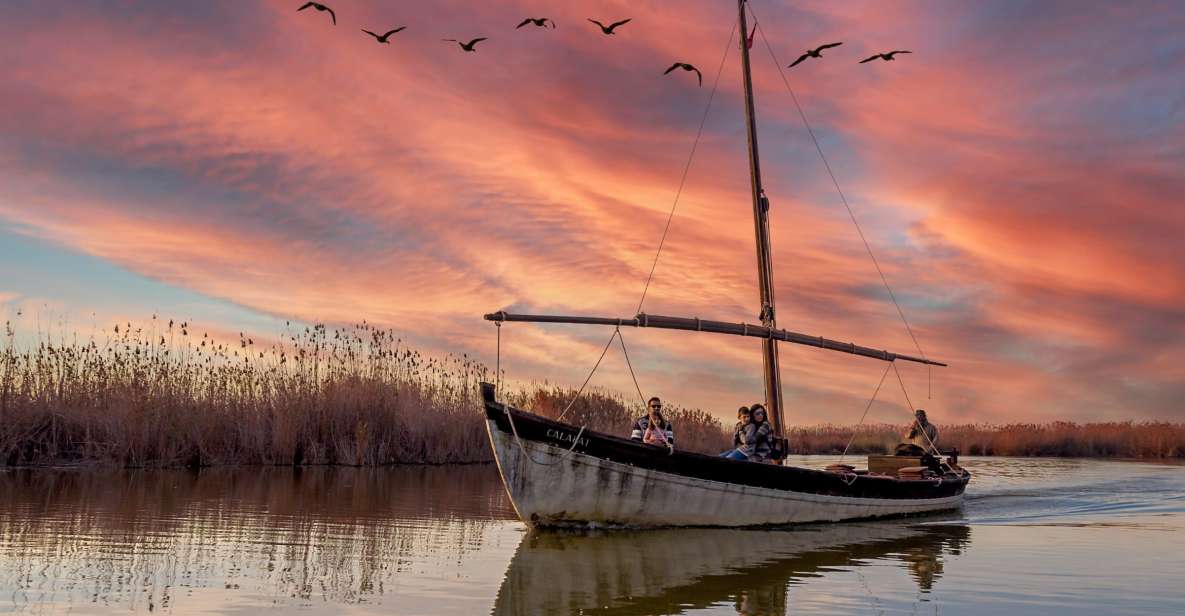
<point x="653" y="419"/>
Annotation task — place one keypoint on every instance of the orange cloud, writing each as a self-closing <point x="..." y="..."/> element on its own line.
<point x="300" y="170"/>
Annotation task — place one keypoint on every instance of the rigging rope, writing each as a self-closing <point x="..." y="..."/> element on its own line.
<point x="510" y="416"/>
<point x="641" y="396"/>
<point x="687" y="167"/>
<point x="616" y="333"/>
<point x="522" y="448"/>
<point x="666" y="229"/>
<point x="818" y="148"/>
<point x="933" y="447"/>
<point x="498" y="363"/>
<point x="866" y="407"/>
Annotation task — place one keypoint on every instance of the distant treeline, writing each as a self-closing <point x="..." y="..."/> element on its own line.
<point x="168" y="396"/>
<point x="1058" y="439"/>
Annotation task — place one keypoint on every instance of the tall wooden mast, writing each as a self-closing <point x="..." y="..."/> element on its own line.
<point x="765" y="279"/>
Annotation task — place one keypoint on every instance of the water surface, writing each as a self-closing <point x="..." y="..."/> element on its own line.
<point x="1035" y="536"/>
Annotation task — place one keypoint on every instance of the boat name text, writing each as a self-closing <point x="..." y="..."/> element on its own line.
<point x="563" y="436"/>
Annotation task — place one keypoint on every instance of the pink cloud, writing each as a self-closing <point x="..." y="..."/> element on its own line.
<point x="305" y="172"/>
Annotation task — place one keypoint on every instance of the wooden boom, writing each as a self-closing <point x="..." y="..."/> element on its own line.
<point x="716" y="327"/>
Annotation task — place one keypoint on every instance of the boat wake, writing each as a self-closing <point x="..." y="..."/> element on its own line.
<point x="1077" y="493"/>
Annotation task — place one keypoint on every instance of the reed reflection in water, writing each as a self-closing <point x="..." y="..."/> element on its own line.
<point x="225" y="539"/>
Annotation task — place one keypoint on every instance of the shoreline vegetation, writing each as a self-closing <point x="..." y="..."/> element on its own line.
<point x="166" y="396"/>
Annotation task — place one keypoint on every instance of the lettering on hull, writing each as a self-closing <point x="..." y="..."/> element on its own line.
<point x="564" y="437"/>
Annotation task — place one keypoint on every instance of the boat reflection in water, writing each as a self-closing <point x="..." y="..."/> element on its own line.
<point x="672" y="571"/>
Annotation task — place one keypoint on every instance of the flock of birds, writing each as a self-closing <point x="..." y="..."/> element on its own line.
<point x="545" y="22"/>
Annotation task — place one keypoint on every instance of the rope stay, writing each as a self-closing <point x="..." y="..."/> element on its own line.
<point x="498" y="363"/>
<point x="616" y="333"/>
<point x="522" y="448"/>
<point x="634" y="376"/>
<point x="933" y="448"/>
<point x="662" y="240"/>
<point x="687" y="167"/>
<point x="835" y="182"/>
<point x="866" y="408"/>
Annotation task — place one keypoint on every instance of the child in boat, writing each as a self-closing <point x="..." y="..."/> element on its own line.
<point x="738" y="436"/>
<point x="652" y="428"/>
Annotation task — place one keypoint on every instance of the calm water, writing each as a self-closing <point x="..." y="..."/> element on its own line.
<point x="1035" y="537"/>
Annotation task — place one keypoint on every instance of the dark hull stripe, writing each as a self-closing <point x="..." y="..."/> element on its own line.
<point x="532" y="427"/>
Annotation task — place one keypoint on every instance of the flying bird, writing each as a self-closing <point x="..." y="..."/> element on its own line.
<point x="319" y="7"/>
<point x="609" y="29"/>
<point x="538" y="21"/>
<point x="383" y="38"/>
<point x="887" y="57"/>
<point x="687" y="67"/>
<point x="813" y="53"/>
<point x="467" y="46"/>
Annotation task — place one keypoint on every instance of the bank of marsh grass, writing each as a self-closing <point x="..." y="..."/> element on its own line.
<point x="166" y="395"/>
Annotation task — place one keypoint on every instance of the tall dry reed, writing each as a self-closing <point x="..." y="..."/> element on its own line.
<point x="172" y="397"/>
<point x="163" y="395"/>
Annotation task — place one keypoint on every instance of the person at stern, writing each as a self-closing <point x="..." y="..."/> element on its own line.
<point x="921" y="437"/>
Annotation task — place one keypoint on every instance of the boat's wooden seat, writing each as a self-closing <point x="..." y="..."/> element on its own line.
<point x="892" y="464"/>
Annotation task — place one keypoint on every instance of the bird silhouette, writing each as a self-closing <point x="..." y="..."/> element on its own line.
<point x="687" y="67"/>
<point x="609" y="29"/>
<point x="383" y="38"/>
<point x="813" y="53"/>
<point x="538" y="21"/>
<point x="319" y="7"/>
<point x="887" y="57"/>
<point x="467" y="46"/>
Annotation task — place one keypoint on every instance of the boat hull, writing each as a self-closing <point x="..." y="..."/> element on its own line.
<point x="557" y="475"/>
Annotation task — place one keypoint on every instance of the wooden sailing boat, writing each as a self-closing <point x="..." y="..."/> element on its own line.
<point x="560" y="474"/>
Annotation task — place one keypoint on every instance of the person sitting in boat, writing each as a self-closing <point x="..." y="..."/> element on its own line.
<point x="760" y="436"/>
<point x="738" y="436"/>
<point x="652" y="427"/>
<point x="921" y="438"/>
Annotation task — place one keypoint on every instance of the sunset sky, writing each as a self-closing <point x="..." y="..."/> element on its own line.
<point x="1020" y="176"/>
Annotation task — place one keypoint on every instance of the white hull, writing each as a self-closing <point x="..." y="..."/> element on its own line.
<point x="558" y="487"/>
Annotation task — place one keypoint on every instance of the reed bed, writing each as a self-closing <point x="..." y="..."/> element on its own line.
<point x="162" y="395"/>
<point x="166" y="396"/>
<point x="1126" y="439"/>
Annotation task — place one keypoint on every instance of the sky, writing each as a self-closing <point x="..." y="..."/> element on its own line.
<point x="1020" y="178"/>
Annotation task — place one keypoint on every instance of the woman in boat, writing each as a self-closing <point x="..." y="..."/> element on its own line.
<point x="738" y="436"/>
<point x="759" y="440"/>
<point x="653" y="428"/>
